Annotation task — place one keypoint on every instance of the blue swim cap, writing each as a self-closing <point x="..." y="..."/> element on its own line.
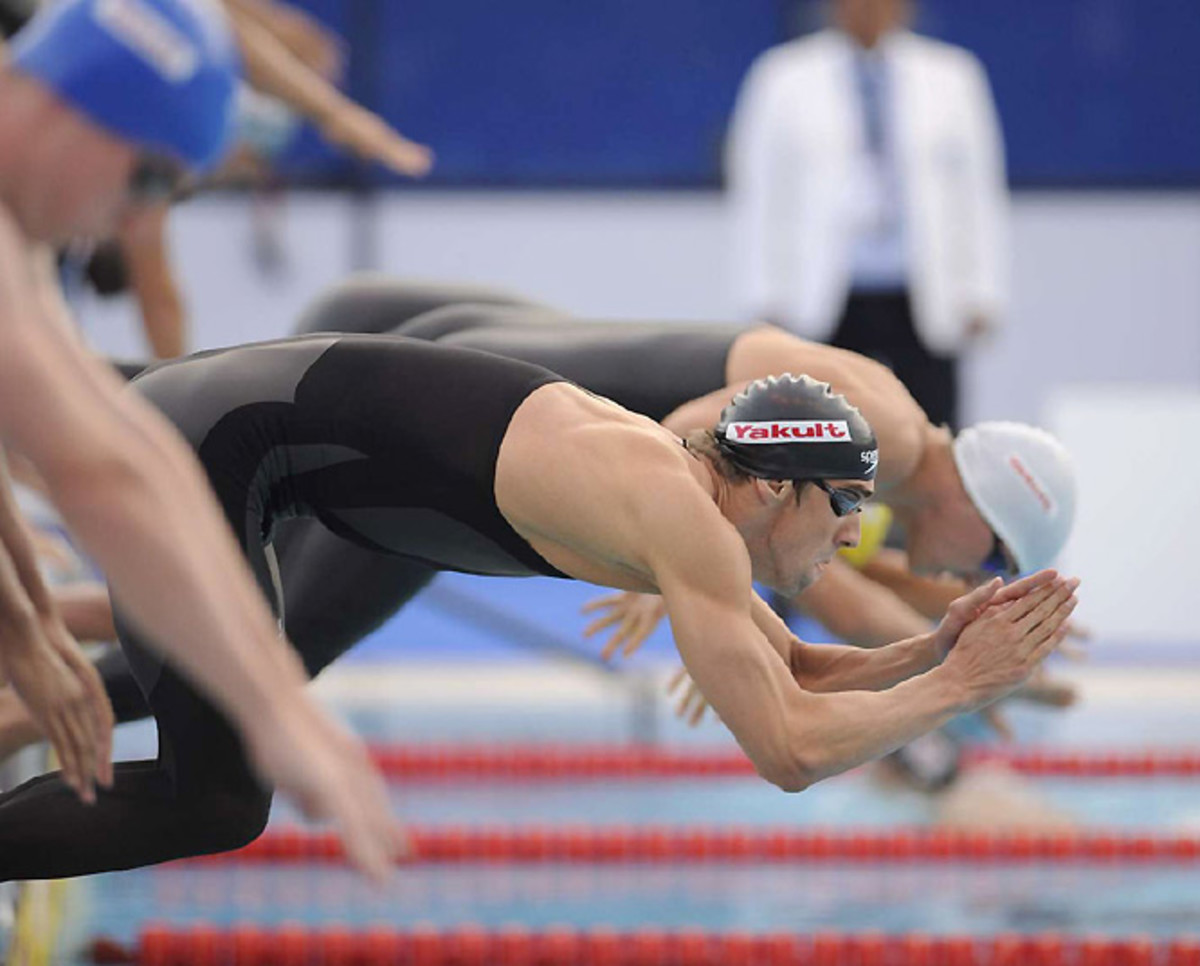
<point x="158" y="73"/>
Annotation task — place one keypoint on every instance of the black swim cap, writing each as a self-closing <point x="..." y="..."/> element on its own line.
<point x="794" y="428"/>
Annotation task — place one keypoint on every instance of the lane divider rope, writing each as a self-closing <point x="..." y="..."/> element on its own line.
<point x="526" y="762"/>
<point x="670" y="844"/>
<point x="296" y="945"/>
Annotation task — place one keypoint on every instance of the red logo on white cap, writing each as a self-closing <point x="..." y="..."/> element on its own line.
<point x="790" y="431"/>
<point x="1033" y="483"/>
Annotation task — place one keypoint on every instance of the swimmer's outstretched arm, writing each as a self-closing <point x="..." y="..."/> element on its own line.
<point x="796" y="737"/>
<point x="860" y="611"/>
<point x="134" y="494"/>
<point x="835" y="667"/>
<point x="146" y="245"/>
<point x="274" y="69"/>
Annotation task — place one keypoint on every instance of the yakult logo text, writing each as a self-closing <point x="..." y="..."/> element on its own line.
<point x="790" y="431"/>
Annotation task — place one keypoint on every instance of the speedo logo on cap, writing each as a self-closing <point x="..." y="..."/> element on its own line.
<point x="150" y="36"/>
<point x="790" y="431"/>
<point x="1033" y="483"/>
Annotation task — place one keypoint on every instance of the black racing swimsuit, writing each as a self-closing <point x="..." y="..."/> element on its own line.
<point x="337" y="591"/>
<point x="392" y="445"/>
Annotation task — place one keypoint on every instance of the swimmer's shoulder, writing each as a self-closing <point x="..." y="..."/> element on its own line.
<point x="583" y="433"/>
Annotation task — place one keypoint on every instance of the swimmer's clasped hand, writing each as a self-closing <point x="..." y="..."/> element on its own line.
<point x="1002" y="648"/>
<point x="970" y="605"/>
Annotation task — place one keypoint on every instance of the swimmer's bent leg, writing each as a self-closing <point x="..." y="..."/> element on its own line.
<point x="337" y="593"/>
<point x="199" y="797"/>
<point x="374" y="304"/>
<point x="128" y="702"/>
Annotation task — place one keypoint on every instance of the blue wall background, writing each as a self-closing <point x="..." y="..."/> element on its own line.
<point x="635" y="93"/>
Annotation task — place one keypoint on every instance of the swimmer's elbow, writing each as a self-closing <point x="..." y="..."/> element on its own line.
<point x="790" y="780"/>
<point x="801" y="754"/>
<point x="790" y="772"/>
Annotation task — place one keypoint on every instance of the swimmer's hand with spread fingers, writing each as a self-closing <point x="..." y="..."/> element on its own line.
<point x="631" y="616"/>
<point x="63" y="695"/>
<point x="57" y="685"/>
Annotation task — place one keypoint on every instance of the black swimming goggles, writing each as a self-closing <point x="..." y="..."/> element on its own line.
<point x="155" y="178"/>
<point x="842" y="500"/>
<point x="999" y="562"/>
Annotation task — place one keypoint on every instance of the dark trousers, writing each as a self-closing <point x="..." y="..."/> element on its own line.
<point x="880" y="325"/>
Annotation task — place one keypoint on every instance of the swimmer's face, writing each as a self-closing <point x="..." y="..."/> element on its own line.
<point x="78" y="185"/>
<point x="947" y="537"/>
<point x="805" y="535"/>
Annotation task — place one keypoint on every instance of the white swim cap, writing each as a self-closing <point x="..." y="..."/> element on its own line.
<point x="1021" y="480"/>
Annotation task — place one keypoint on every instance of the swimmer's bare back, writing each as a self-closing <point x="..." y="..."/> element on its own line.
<point x="577" y="476"/>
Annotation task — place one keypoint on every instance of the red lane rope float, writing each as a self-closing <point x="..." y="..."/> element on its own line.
<point x="673" y="844"/>
<point x="530" y="762"/>
<point x="295" y="945"/>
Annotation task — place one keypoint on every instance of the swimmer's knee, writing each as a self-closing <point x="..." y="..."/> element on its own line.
<point x="228" y="820"/>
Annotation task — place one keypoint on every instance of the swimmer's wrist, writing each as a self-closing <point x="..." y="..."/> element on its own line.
<point x="927" y="653"/>
<point x="953" y="691"/>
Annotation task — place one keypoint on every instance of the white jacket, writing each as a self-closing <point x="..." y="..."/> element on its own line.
<point x="797" y="130"/>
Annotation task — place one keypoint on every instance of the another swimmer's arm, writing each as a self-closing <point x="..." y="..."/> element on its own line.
<point x="14" y="534"/>
<point x="316" y="46"/>
<point x="858" y="610"/>
<point x="927" y="595"/>
<point x="136" y="497"/>
<point x="275" y="70"/>
<point x="134" y="494"/>
<point x="144" y="241"/>
<point x="43" y="662"/>
<point x="702" y="412"/>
